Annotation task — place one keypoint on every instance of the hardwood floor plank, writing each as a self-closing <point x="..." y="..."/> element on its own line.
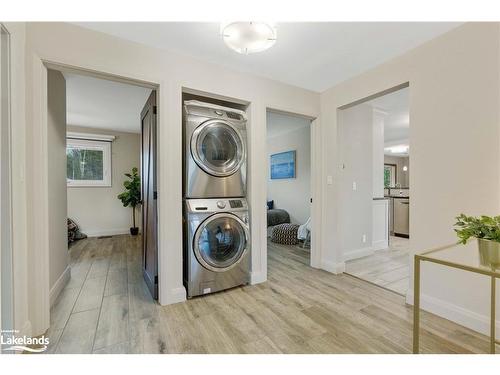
<point x="116" y="282"/>
<point x="122" y="348"/>
<point x="62" y="308"/>
<point x="298" y="310"/>
<point x="91" y="294"/>
<point x="78" y="335"/>
<point x="113" y="321"/>
<point x="388" y="267"/>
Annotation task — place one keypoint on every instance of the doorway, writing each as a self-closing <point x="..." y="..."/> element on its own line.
<point x="101" y="134"/>
<point x="374" y="189"/>
<point x="289" y="187"/>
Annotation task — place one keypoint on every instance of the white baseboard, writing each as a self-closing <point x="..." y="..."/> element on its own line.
<point x="257" y="278"/>
<point x="59" y="285"/>
<point x="380" y="245"/>
<point x="358" y="253"/>
<point x="174" y="295"/>
<point x="106" y="232"/>
<point x="332" y="267"/>
<point x="467" y="318"/>
<point x="26" y="329"/>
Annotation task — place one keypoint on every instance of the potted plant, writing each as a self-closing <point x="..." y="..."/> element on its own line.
<point x="487" y="231"/>
<point x="132" y="195"/>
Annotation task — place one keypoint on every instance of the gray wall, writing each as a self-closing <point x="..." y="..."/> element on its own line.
<point x="56" y="138"/>
<point x="293" y="194"/>
<point x="97" y="210"/>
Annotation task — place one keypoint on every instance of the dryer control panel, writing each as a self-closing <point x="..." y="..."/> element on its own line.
<point x="216" y="205"/>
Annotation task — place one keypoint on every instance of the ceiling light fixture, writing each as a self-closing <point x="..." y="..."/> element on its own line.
<point x="248" y="37"/>
<point x="400" y="149"/>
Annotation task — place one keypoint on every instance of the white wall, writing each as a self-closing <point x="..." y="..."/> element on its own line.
<point x="355" y="167"/>
<point x="292" y="195"/>
<point x="74" y="46"/>
<point x="17" y="33"/>
<point x="97" y="210"/>
<point x="6" y="271"/>
<point x="453" y="96"/>
<point x="56" y="139"/>
<point x="378" y="153"/>
<point x="454" y="111"/>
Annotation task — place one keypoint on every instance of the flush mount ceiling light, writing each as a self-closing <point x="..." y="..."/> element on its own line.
<point x="248" y="37"/>
<point x="400" y="149"/>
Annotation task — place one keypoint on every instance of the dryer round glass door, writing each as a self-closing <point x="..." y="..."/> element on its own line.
<point x="220" y="242"/>
<point x="217" y="148"/>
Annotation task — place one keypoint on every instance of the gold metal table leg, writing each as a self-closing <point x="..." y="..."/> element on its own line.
<point x="416" y="305"/>
<point x="493" y="315"/>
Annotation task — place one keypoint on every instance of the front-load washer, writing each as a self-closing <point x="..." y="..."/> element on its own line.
<point x="215" y="151"/>
<point x="216" y="245"/>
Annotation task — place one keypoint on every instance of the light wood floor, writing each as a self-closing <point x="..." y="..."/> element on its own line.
<point x="106" y="308"/>
<point x="388" y="268"/>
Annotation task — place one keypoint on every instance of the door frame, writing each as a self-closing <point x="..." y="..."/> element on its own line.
<point x="6" y="250"/>
<point x="363" y="99"/>
<point x="151" y="284"/>
<point x="315" y="182"/>
<point x="41" y="298"/>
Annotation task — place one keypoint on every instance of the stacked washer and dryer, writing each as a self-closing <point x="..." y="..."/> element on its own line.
<point x="216" y="217"/>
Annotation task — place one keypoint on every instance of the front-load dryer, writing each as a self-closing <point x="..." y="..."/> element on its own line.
<point x="215" y="151"/>
<point x="216" y="245"/>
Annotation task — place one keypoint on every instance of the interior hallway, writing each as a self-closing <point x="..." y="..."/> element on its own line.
<point x="106" y="308"/>
<point x="388" y="268"/>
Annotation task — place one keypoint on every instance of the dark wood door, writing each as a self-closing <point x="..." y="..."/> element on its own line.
<point x="149" y="196"/>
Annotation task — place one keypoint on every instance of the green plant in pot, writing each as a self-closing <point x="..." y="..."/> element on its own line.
<point x="132" y="195"/>
<point x="487" y="231"/>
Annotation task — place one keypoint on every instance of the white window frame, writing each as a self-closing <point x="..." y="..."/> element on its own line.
<point x="91" y="144"/>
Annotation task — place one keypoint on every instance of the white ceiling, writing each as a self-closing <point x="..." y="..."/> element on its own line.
<point x="103" y="104"/>
<point x="312" y="55"/>
<point x="397" y="120"/>
<point x="279" y="124"/>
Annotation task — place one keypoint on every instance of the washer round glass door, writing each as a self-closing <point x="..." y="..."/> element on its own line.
<point x="220" y="242"/>
<point x="217" y="148"/>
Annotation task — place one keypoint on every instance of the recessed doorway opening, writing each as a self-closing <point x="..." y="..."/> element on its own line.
<point x="289" y="187"/>
<point x="102" y="193"/>
<point x="374" y="189"/>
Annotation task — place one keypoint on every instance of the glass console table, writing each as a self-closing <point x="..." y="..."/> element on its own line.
<point x="463" y="257"/>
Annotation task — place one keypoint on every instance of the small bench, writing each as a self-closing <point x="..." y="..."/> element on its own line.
<point x="285" y="234"/>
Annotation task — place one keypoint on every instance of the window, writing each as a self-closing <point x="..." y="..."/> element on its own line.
<point x="389" y="175"/>
<point x="88" y="162"/>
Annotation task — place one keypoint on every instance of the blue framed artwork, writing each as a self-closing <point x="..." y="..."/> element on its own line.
<point x="283" y="165"/>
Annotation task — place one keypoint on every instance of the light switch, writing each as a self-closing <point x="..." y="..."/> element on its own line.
<point x="329" y="180"/>
<point x="354" y="186"/>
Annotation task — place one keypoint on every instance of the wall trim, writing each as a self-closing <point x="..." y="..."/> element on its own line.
<point x="335" y="268"/>
<point x="107" y="232"/>
<point x="59" y="285"/>
<point x="467" y="318"/>
<point x="358" y="253"/>
<point x="380" y="245"/>
<point x="176" y="295"/>
<point x="257" y="278"/>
